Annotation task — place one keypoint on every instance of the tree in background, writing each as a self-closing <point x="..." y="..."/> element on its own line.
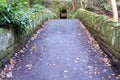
<point x="74" y="4"/>
<point x="115" y="12"/>
<point x="102" y="6"/>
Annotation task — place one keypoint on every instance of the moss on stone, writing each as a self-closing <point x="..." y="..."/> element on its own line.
<point x="36" y="20"/>
<point x="104" y="30"/>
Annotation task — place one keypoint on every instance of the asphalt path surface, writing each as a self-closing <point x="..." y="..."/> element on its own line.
<point x="63" y="50"/>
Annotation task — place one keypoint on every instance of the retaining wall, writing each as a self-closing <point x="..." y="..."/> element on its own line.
<point x="105" y="31"/>
<point x="11" y="42"/>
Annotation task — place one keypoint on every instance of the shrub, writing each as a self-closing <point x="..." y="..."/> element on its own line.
<point x="17" y="14"/>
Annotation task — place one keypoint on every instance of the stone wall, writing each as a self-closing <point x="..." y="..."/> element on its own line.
<point x="11" y="42"/>
<point x="105" y="31"/>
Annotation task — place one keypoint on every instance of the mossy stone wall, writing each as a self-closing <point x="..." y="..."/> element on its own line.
<point x="11" y="42"/>
<point x="105" y="31"/>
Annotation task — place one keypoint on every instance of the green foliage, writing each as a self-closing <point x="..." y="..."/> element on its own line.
<point x="95" y="4"/>
<point x="37" y="8"/>
<point x="6" y="14"/>
<point x="104" y="4"/>
<point x="2" y="1"/>
<point x="17" y="14"/>
<point x="102" y="25"/>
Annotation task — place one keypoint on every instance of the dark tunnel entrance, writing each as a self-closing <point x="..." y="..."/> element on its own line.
<point x="63" y="14"/>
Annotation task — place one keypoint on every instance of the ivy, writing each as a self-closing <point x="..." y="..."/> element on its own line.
<point x="17" y="14"/>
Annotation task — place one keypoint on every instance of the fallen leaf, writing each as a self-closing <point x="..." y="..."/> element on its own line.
<point x="22" y="51"/>
<point x="2" y="74"/>
<point x="76" y="61"/>
<point x="7" y="68"/>
<point x="68" y="58"/>
<point x="29" y="66"/>
<point x="118" y="75"/>
<point x="13" y="62"/>
<point x="89" y="67"/>
<point x="91" y="77"/>
<point x="1" y="79"/>
<point x="109" y="76"/>
<point x="65" y="71"/>
<point x="113" y="74"/>
<point x="97" y="73"/>
<point x="75" y="68"/>
<point x="77" y="58"/>
<point x="65" y="76"/>
<point x="105" y="60"/>
<point x="9" y="74"/>
<point x="32" y="38"/>
<point x="117" y="78"/>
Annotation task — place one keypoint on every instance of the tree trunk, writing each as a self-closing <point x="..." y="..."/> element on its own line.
<point x="28" y="3"/>
<point x="115" y="11"/>
<point x="74" y="4"/>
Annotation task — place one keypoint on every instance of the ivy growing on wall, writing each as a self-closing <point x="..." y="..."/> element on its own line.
<point x="17" y="14"/>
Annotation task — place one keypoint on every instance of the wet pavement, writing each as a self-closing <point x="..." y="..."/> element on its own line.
<point x="63" y="50"/>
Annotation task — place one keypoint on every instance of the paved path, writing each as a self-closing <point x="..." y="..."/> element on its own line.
<point x="63" y="50"/>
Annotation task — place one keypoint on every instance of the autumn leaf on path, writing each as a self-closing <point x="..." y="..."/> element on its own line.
<point x="22" y="51"/>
